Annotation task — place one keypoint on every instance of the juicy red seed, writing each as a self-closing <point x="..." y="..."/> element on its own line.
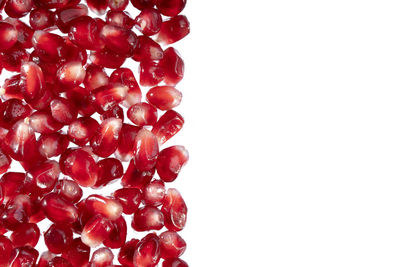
<point x="43" y="102"/>
<point x="170" y="7"/>
<point x="173" y="30"/>
<point x="80" y="166"/>
<point x="65" y="15"/>
<point x="42" y="122"/>
<point x="149" y="21"/>
<point x="23" y="257"/>
<point x="69" y="190"/>
<point x="168" y="125"/>
<point x="117" y="236"/>
<point x="175" y="210"/>
<point x="97" y="6"/>
<point x="45" y="175"/>
<point x="45" y="258"/>
<point x="125" y="142"/>
<point x="147" y="251"/>
<point x="41" y="19"/>
<point x="170" y="162"/>
<point x="117" y="5"/>
<point x="77" y="253"/>
<point x="52" y="145"/>
<point x="25" y="235"/>
<point x="95" y="77"/>
<point x="12" y="111"/>
<point x="71" y="74"/>
<point x="8" y="36"/>
<point x="115" y="112"/>
<point x="129" y="198"/>
<point x="125" y="255"/>
<point x="6" y="248"/>
<point x="13" y="58"/>
<point x="118" y="40"/>
<point x="59" y="262"/>
<point x="142" y="4"/>
<point x="12" y="183"/>
<point x="148" y="218"/>
<point x="25" y="33"/>
<point x="110" y="169"/>
<point x="105" y="141"/>
<point x="82" y="130"/>
<point x="84" y="32"/>
<point x="58" y="238"/>
<point x="17" y="211"/>
<point x="172" y="245"/>
<point x="81" y="99"/>
<point x="145" y="150"/>
<point x="62" y="110"/>
<point x="102" y="257"/>
<point x="135" y="178"/>
<point x="108" y="96"/>
<point x="5" y="162"/>
<point x="174" y="262"/>
<point x="49" y="46"/>
<point x="32" y="81"/>
<point x="106" y="206"/>
<point x="147" y="50"/>
<point x="18" y="8"/>
<point x="120" y="18"/>
<point x="142" y="114"/>
<point x="173" y="66"/>
<point x="59" y="210"/>
<point x="96" y="231"/>
<point x="164" y="97"/>
<point x="107" y="59"/>
<point x="74" y="53"/>
<point x="154" y="193"/>
<point x="125" y="76"/>
<point x="151" y="73"/>
<point x="11" y="88"/>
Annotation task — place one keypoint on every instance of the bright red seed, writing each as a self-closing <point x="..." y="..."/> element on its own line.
<point x="6" y="248"/>
<point x="117" y="5"/>
<point x="66" y="15"/>
<point x="117" y="236"/>
<point x="151" y="73"/>
<point x="58" y="238"/>
<point x="32" y="81"/>
<point x="41" y="19"/>
<point x="13" y="58"/>
<point x="69" y="190"/>
<point x="45" y="258"/>
<point x="49" y="46"/>
<point x="172" y="245"/>
<point x="118" y="40"/>
<point x="84" y="32"/>
<point x="108" y="96"/>
<point x="120" y="18"/>
<point x="11" y="111"/>
<point x="147" y="218"/>
<point x="170" y="7"/>
<point x="97" y="6"/>
<point x="175" y="210"/>
<point x="23" y="257"/>
<point x="102" y="257"/>
<point x="106" y="206"/>
<point x="13" y="183"/>
<point x="59" y="262"/>
<point x="174" y="262"/>
<point x="59" y="210"/>
<point x="129" y="198"/>
<point x="167" y="126"/>
<point x="77" y="253"/>
<point x="135" y="178"/>
<point x="149" y="21"/>
<point x="107" y="59"/>
<point x="42" y="122"/>
<point x="173" y="30"/>
<point x="125" y="255"/>
<point x="125" y="76"/>
<point x="170" y="162"/>
<point x="142" y="4"/>
<point x="127" y="135"/>
<point x="142" y="114"/>
<point x="105" y="141"/>
<point x="95" y="77"/>
<point x="18" y="8"/>
<point x="17" y="211"/>
<point x="110" y="169"/>
<point x="8" y="36"/>
<point x="45" y="176"/>
<point x="96" y="231"/>
<point x="173" y="66"/>
<point x="154" y="193"/>
<point x="164" y="97"/>
<point x="147" y="251"/>
<point x="71" y="74"/>
<point x="52" y="145"/>
<point x="147" y="50"/>
<point x="81" y="130"/>
<point x="145" y="150"/>
<point x="25" y="33"/>
<point x="5" y="162"/>
<point x="25" y="235"/>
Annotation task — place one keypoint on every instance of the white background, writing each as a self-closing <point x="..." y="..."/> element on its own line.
<point x="293" y="111"/>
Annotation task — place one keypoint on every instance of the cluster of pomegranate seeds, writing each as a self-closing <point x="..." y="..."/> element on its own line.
<point x="77" y="120"/>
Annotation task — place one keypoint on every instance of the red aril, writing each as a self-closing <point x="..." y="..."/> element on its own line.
<point x="102" y="257"/>
<point x="174" y="262"/>
<point x="95" y="77"/>
<point x="97" y="6"/>
<point x="154" y="193"/>
<point x="84" y="32"/>
<point x="117" y="236"/>
<point x="32" y="81"/>
<point x="23" y="257"/>
<point x="96" y="231"/>
<point x="41" y="19"/>
<point x="108" y="96"/>
<point x="151" y="73"/>
<point x="173" y="66"/>
<point x="42" y="122"/>
<point x="125" y="76"/>
<point x="18" y="8"/>
<point x="125" y="255"/>
<point x="65" y="15"/>
<point x="147" y="50"/>
<point x="173" y="30"/>
<point x="164" y="97"/>
<point x="118" y="40"/>
<point x="110" y="169"/>
<point x="135" y="178"/>
<point x="52" y="145"/>
<point x="172" y="245"/>
<point x="8" y="36"/>
<point x="147" y="218"/>
<point x="145" y="150"/>
<point x="6" y="248"/>
<point x="49" y="46"/>
<point x="45" y="176"/>
<point x="81" y="130"/>
<point x="170" y="7"/>
<point x="13" y="58"/>
<point x="168" y="125"/>
<point x="120" y="18"/>
<point x="77" y="253"/>
<point x="71" y="74"/>
<point x="105" y="140"/>
<point x="58" y="238"/>
<point x="170" y="162"/>
<point x="148" y="21"/>
<point x="69" y="190"/>
<point x="5" y="162"/>
<point x="25" y="235"/>
<point x="142" y="4"/>
<point x="117" y="5"/>
<point x="175" y="210"/>
<point x="59" y="210"/>
<point x="142" y="114"/>
<point x="147" y="251"/>
<point x="11" y="111"/>
<point x="129" y="198"/>
<point x="127" y="135"/>
<point x="107" y="59"/>
<point x="106" y="206"/>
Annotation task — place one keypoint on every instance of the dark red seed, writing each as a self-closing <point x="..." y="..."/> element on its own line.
<point x="59" y="262"/>
<point x="69" y="190"/>
<point x="116" y="112"/>
<point x="59" y="210"/>
<point x="117" y="236"/>
<point x="96" y="231"/>
<point x="17" y="211"/>
<point x="172" y="245"/>
<point x="52" y="145"/>
<point x="154" y="193"/>
<point x="164" y="97"/>
<point x="77" y="253"/>
<point x="118" y="40"/>
<point x="11" y="88"/>
<point x="147" y="50"/>
<point x="175" y="210"/>
<point x="5" y="162"/>
<point x="8" y="36"/>
<point x="106" y="206"/>
<point x="65" y="15"/>
<point x="125" y="255"/>
<point x="149" y="21"/>
<point x="125" y="76"/>
<point x="42" y="122"/>
<point x="142" y="4"/>
<point x="120" y="18"/>
<point x="41" y="19"/>
<point x="12" y="111"/>
<point x="108" y="96"/>
<point x="13" y="58"/>
<point x="97" y="6"/>
<point x="58" y="238"/>
<point x="25" y="32"/>
<point x="102" y="257"/>
<point x="82" y="130"/>
<point x="32" y="81"/>
<point x="84" y="32"/>
<point x="170" y="162"/>
<point x="145" y="150"/>
<point x="135" y="178"/>
<point x="167" y="126"/>
<point x="125" y="142"/>
<point x="45" y="176"/>
<point x="45" y="258"/>
<point x="147" y="218"/>
<point x="110" y="169"/>
<point x="173" y="30"/>
<point x="13" y="183"/>
<point x="151" y="73"/>
<point x="105" y="141"/>
<point x="129" y="198"/>
<point x="107" y="59"/>
<point x="6" y="248"/>
<point x="43" y="102"/>
<point x="81" y="99"/>
<point x="18" y="8"/>
<point x="95" y="77"/>
<point x="173" y="66"/>
<point x="49" y="46"/>
<point x="23" y="257"/>
<point x="117" y="5"/>
<point x="25" y="235"/>
<point x="142" y="114"/>
<point x="147" y="251"/>
<point x="174" y="262"/>
<point x="170" y="7"/>
<point x="74" y="53"/>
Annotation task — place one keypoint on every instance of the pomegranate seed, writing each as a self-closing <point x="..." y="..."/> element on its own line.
<point x="58" y="238"/>
<point x="117" y="5"/>
<point x="50" y="4"/>
<point x="42" y="122"/>
<point x="41" y="19"/>
<point x="81" y="99"/>
<point x="59" y="210"/>
<point x="49" y="46"/>
<point x="69" y="190"/>
<point x="84" y="32"/>
<point x="74" y="53"/>
<point x="25" y="235"/>
<point x="117" y="236"/>
<point x="125" y="76"/>
<point x="77" y="253"/>
<point x="110" y="169"/>
<point x="59" y="262"/>
<point x="135" y="178"/>
<point x="80" y="166"/>
<point x="129" y="198"/>
<point x="105" y="140"/>
<point x="45" y="175"/>
<point x="172" y="245"/>
<point x="8" y="36"/>
<point x="173" y="30"/>
<point x="62" y="110"/>
<point x="149" y="21"/>
<point x="106" y="206"/>
<point x="82" y="130"/>
<point x="118" y="40"/>
<point x="174" y="262"/>
<point x="147" y="218"/>
<point x="154" y="193"/>
<point x="37" y="212"/>
<point x="102" y="257"/>
<point x="168" y="125"/>
<point x="125" y="142"/>
<point x="45" y="258"/>
<point x="108" y="96"/>
<point x="96" y="231"/>
<point x="175" y="210"/>
<point x="12" y="111"/>
<point x="12" y="183"/>
<point x="25" y="33"/>
<point x="97" y="6"/>
<point x="52" y="145"/>
<point x="115" y="112"/>
<point x="6" y="248"/>
<point x="95" y="77"/>
<point x="147" y="251"/>
<point x="173" y="66"/>
<point x="170" y="162"/>
<point x="43" y="102"/>
<point x="125" y="255"/>
<point x="151" y="73"/>
<point x="11" y="88"/>
<point x="107" y="59"/>
<point x="67" y="14"/>
<point x="164" y="97"/>
<point x="17" y="211"/>
<point x="142" y="114"/>
<point x="120" y="18"/>
<point x="145" y="150"/>
<point x="18" y="8"/>
<point x="170" y="8"/>
<point x="23" y="257"/>
<point x="147" y="50"/>
<point x="71" y="74"/>
<point x="142" y="4"/>
<point x="13" y="58"/>
<point x="32" y="81"/>
<point x="5" y="162"/>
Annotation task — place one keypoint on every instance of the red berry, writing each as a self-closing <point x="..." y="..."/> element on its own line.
<point x="77" y="253"/>
<point x="52" y="145"/>
<point x="117" y="5"/>
<point x="69" y="190"/>
<point x="18" y="8"/>
<point x="105" y="140"/>
<point x="125" y="255"/>
<point x="145" y="150"/>
<point x="110" y="169"/>
<point x="41" y="18"/>
<point x="97" y="6"/>
<point x="173" y="66"/>
<point x="66" y="15"/>
<point x="81" y="130"/>
<point x="102" y="257"/>
<point x="106" y="206"/>
<point x="135" y="178"/>
<point x="6" y="248"/>
<point x="96" y="231"/>
<point x="172" y="245"/>
<point x="147" y="50"/>
<point x="117" y="236"/>
<point x="23" y="257"/>
<point x="120" y="18"/>
<point x="125" y="142"/>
